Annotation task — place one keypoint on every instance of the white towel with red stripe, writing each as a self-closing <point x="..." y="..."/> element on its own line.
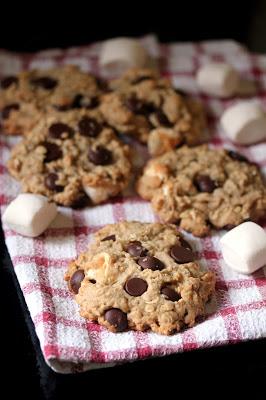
<point x="70" y="343"/>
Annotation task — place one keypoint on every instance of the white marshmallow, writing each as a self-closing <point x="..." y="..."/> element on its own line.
<point x="218" y="79"/>
<point x="244" y="123"/>
<point x="244" y="247"/>
<point x="99" y="194"/>
<point x="119" y="54"/>
<point x="29" y="214"/>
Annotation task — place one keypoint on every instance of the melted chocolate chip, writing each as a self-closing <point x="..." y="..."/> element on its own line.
<point x="50" y="182"/>
<point x="7" y="110"/>
<point x="170" y="294"/>
<point x="182" y="255"/>
<point x="94" y="102"/>
<point x="57" y="130"/>
<point x="139" y="107"/>
<point x="8" y="81"/>
<point x="100" y="156"/>
<point x="136" y="287"/>
<point x="237" y="156"/>
<point x="228" y="227"/>
<point x="45" y="82"/>
<point x="89" y="127"/>
<point x="53" y="152"/>
<point x="162" y="119"/>
<point x="151" y="263"/>
<point x="204" y="183"/>
<point x="184" y="243"/>
<point x="140" y="79"/>
<point x="136" y="249"/>
<point x="180" y="92"/>
<point x="81" y="202"/>
<point x="110" y="237"/>
<point x="76" y="279"/>
<point x="116" y="318"/>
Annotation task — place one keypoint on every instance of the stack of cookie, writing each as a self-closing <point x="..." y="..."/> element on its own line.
<point x="74" y="152"/>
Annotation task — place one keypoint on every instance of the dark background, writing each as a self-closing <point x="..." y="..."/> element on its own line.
<point x="25" y="27"/>
<point x="222" y="371"/>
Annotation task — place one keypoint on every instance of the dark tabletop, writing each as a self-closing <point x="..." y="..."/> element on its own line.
<point x="239" y="367"/>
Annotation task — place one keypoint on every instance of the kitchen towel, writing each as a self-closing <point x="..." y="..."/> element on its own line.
<point x="70" y="343"/>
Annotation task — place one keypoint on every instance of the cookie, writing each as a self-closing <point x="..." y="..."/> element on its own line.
<point x="200" y="188"/>
<point x="148" y="107"/>
<point x="25" y="97"/>
<point x="140" y="276"/>
<point x="70" y="157"/>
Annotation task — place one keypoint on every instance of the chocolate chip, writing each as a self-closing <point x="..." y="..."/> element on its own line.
<point x="93" y="281"/>
<point x="45" y="82"/>
<point x="151" y="263"/>
<point x="237" y="156"/>
<point x="138" y="106"/>
<point x="76" y="279"/>
<point x="180" y="92"/>
<point x="135" y="249"/>
<point x="8" y="81"/>
<point x="7" y="110"/>
<point x="228" y="227"/>
<point x="100" y="156"/>
<point x="141" y="79"/>
<point x="204" y="183"/>
<point x="63" y="107"/>
<point x="102" y="84"/>
<point x="162" y="119"/>
<point x="81" y="202"/>
<point x="53" y="152"/>
<point x="116" y="318"/>
<point x="181" y="254"/>
<point x="184" y="243"/>
<point x="58" y="129"/>
<point x="170" y="293"/>
<point x="110" y="237"/>
<point x="89" y="127"/>
<point x="50" y="182"/>
<point x="136" y="287"/>
<point x="94" y="102"/>
<point x="77" y="101"/>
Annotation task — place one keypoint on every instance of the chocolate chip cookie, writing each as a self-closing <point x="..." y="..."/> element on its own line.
<point x="147" y="106"/>
<point x="200" y="188"/>
<point x="71" y="157"/>
<point x="25" y="97"/>
<point x="140" y="276"/>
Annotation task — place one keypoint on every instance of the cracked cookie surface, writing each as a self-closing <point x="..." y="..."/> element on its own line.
<point x="71" y="157"/>
<point x="199" y="188"/>
<point x="140" y="276"/>
<point x="146" y="106"/>
<point x="26" y="96"/>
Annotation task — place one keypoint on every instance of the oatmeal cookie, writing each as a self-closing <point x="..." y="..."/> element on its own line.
<point x="70" y="155"/>
<point x="25" y="97"/>
<point x="140" y="276"/>
<point x="199" y="188"/>
<point x="148" y="107"/>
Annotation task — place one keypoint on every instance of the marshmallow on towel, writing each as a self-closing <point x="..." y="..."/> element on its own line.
<point x="218" y="79"/>
<point x="117" y="55"/>
<point x="244" y="123"/>
<point x="244" y="247"/>
<point x="29" y="214"/>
